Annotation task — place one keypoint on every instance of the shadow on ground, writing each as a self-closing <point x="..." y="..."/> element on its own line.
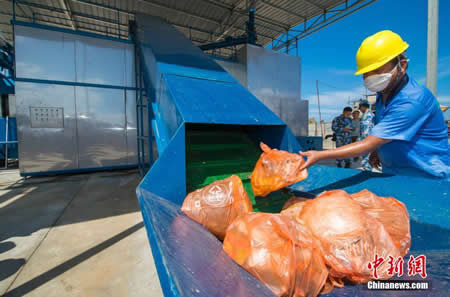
<point x="40" y="201"/>
<point x="30" y="205"/>
<point x="67" y="265"/>
<point x="10" y="266"/>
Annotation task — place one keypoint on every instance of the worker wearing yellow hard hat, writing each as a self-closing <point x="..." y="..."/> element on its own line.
<point x="410" y="134"/>
<point x="377" y="50"/>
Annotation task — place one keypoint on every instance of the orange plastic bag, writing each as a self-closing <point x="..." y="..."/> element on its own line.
<point x="278" y="251"/>
<point x="218" y="204"/>
<point x="349" y="237"/>
<point x="293" y="206"/>
<point x="294" y="200"/>
<point x="391" y="213"/>
<point x="275" y="170"/>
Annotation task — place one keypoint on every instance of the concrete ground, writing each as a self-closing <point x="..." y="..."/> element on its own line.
<point x="74" y="235"/>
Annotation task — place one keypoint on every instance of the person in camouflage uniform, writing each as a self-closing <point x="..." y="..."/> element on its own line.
<point x="342" y="127"/>
<point x="366" y="124"/>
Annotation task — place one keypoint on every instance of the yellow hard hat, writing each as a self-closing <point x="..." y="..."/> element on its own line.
<point x="378" y="49"/>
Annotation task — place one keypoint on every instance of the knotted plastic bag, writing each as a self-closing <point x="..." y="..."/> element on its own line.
<point x="279" y="251"/>
<point x="349" y="237"/>
<point x="391" y="213"/>
<point x="275" y="170"/>
<point x="218" y="204"/>
<point x="293" y="206"/>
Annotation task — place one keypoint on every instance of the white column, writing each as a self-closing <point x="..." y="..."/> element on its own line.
<point x="432" y="44"/>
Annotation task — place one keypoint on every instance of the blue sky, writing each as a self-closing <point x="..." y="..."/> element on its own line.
<point x="329" y="55"/>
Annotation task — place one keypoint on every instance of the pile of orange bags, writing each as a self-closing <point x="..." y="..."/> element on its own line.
<point x="391" y="213"/>
<point x="341" y="231"/>
<point x="293" y="206"/>
<point x="313" y="244"/>
<point x="388" y="210"/>
<point x="278" y="251"/>
<point x="218" y="204"/>
<point x="349" y="237"/>
<point x="275" y="170"/>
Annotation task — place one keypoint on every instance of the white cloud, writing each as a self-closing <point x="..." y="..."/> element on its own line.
<point x="443" y="70"/>
<point x="443" y="67"/>
<point x="338" y="97"/>
<point x="332" y="102"/>
<point x="444" y="100"/>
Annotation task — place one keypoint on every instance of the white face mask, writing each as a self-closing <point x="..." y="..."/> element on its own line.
<point x="379" y="82"/>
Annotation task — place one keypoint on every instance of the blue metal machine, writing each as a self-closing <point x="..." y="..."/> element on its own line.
<point x="8" y="138"/>
<point x="6" y="67"/>
<point x="191" y="100"/>
<point x="311" y="142"/>
<point x="8" y="125"/>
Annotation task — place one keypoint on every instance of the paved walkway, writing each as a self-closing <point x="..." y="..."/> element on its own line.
<point x="74" y="235"/>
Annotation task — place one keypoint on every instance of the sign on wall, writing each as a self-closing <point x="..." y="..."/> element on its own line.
<point x="46" y="117"/>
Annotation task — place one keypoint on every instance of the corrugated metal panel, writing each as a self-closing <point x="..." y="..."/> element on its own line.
<point x="203" y="20"/>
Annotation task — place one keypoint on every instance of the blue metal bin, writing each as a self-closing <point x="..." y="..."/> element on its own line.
<point x="189" y="91"/>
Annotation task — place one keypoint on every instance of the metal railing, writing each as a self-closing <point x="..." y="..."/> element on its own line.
<point x="143" y="105"/>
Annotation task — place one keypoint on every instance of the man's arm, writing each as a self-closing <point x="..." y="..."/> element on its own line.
<point x="364" y="147"/>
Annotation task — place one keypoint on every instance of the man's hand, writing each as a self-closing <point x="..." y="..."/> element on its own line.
<point x="359" y="148"/>
<point x="374" y="160"/>
<point x="347" y="129"/>
<point x="312" y="158"/>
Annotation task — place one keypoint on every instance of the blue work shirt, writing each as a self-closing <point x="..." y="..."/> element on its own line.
<point x="412" y="119"/>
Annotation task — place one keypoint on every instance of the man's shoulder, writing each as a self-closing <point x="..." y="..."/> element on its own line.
<point x="419" y="93"/>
